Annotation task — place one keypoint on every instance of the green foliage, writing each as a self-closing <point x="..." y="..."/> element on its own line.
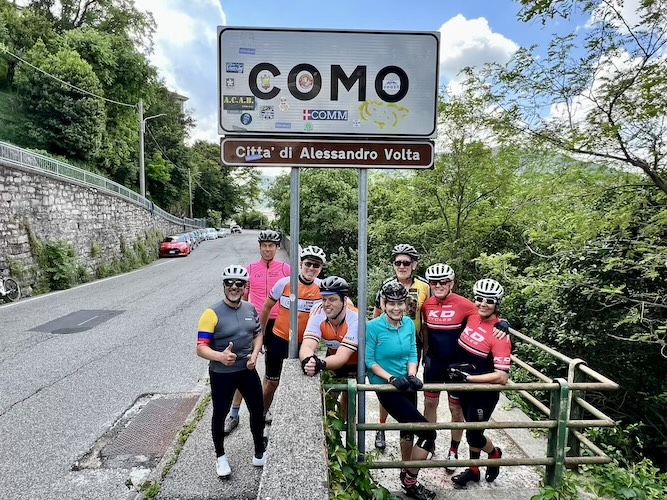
<point x="95" y="249"/>
<point x="16" y="269"/>
<point x="566" y="491"/>
<point x="214" y="218"/>
<point x="58" y="264"/>
<point x="252" y="219"/>
<point x="348" y="479"/>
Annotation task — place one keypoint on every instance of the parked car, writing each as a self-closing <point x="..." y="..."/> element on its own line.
<point x="174" y="246"/>
<point x="192" y="237"/>
<point x="236" y="229"/>
<point x="211" y="233"/>
<point x="222" y="232"/>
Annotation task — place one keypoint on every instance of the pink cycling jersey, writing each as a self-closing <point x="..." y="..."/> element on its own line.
<point x="262" y="279"/>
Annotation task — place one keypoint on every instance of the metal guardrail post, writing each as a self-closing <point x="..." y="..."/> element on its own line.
<point x="560" y="405"/>
<point x="574" y="375"/>
<point x="351" y="412"/>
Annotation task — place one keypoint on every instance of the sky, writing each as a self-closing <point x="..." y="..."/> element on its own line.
<point x="472" y="32"/>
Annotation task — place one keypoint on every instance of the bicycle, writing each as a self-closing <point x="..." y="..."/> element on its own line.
<point x="9" y="290"/>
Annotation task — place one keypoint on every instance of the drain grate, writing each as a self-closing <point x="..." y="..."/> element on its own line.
<point x="149" y="433"/>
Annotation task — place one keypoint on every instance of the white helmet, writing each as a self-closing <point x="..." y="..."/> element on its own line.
<point x="235" y="272"/>
<point x="315" y="253"/>
<point x="440" y="272"/>
<point x="488" y="288"/>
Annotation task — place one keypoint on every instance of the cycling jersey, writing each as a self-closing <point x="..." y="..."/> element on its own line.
<point x="445" y="320"/>
<point x="263" y="276"/>
<point x="478" y="346"/>
<point x="392" y="347"/>
<point x="417" y="294"/>
<point x="308" y="295"/>
<point x="345" y="334"/>
<point x="221" y="324"/>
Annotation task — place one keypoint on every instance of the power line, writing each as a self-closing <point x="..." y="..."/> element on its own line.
<point x="4" y="49"/>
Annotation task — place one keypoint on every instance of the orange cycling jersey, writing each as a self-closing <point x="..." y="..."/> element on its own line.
<point x="345" y="334"/>
<point x="308" y="295"/>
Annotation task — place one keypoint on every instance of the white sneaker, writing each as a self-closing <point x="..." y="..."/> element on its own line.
<point x="222" y="466"/>
<point x="268" y="418"/>
<point x="259" y="462"/>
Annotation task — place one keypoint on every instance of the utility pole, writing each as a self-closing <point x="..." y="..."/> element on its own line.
<point x="142" y="129"/>
<point x="190" y="190"/>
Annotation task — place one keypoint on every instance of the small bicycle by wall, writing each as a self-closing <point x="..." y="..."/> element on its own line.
<point x="9" y="290"/>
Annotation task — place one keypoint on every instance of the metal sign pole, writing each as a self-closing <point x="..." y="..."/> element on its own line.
<point x="295" y="180"/>
<point x="362" y="280"/>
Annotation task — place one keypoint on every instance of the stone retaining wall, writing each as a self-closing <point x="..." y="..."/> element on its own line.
<point x="61" y="210"/>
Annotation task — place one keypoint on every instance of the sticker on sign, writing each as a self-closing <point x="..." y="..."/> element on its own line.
<point x="326" y="153"/>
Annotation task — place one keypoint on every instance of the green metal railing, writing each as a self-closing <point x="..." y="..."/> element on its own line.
<point x="28" y="160"/>
<point x="566" y="416"/>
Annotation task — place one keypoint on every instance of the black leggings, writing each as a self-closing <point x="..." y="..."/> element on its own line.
<point x="223" y="386"/>
<point x="403" y="407"/>
<point x="478" y="407"/>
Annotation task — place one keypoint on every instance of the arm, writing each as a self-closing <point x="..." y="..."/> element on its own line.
<point x="381" y="372"/>
<point x="266" y="311"/>
<point x="246" y="292"/>
<point x="308" y="347"/>
<point x="338" y="360"/>
<point x="495" y="377"/>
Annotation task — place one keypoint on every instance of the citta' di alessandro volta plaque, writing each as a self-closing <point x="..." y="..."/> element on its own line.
<point x="326" y="153"/>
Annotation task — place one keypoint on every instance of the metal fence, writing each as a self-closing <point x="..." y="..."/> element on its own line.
<point x="42" y="164"/>
<point x="566" y="416"/>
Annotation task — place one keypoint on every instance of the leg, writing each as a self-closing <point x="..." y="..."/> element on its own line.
<point x="343" y="405"/>
<point x="277" y="351"/>
<point x="222" y="389"/>
<point x="233" y="419"/>
<point x="251" y="388"/>
<point x="380" y="442"/>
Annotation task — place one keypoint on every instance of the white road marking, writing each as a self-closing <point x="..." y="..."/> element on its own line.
<point x="89" y="319"/>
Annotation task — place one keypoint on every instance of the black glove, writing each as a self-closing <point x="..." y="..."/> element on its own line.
<point x="458" y="372"/>
<point x="401" y="383"/>
<point x="415" y="383"/>
<point x="320" y="364"/>
<point x="503" y="325"/>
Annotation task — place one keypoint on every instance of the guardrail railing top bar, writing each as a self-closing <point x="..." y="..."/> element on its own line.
<point x="38" y="162"/>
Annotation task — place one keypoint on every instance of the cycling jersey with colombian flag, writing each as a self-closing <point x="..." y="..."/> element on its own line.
<point x="478" y="346"/>
<point x="445" y="320"/>
<point x="262" y="279"/>
<point x="345" y="334"/>
<point x="308" y="295"/>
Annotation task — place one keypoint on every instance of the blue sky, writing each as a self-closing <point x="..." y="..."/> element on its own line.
<point x="472" y="32"/>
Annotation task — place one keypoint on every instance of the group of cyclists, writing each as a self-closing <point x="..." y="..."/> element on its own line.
<point x="460" y="341"/>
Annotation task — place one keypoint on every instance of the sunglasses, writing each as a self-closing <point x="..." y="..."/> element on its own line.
<point x="231" y="283"/>
<point x="309" y="263"/>
<point x="439" y="282"/>
<point x="485" y="300"/>
<point x="403" y="263"/>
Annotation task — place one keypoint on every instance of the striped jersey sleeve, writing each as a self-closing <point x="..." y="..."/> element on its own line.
<point x="207" y="324"/>
<point x="315" y="320"/>
<point x="501" y="350"/>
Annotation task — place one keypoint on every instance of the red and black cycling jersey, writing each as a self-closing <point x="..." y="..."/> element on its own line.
<point x="478" y="346"/>
<point x="445" y="320"/>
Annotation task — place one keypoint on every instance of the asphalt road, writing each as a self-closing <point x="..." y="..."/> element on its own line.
<point x="59" y="393"/>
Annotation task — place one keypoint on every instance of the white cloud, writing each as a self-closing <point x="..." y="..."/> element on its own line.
<point x="185" y="53"/>
<point x="471" y="42"/>
<point x="628" y="10"/>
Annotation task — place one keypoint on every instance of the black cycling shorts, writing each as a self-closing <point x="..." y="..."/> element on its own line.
<point x="277" y="350"/>
<point x="435" y="372"/>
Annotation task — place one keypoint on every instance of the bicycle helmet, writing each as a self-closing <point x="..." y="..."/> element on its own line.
<point x="235" y="272"/>
<point x="269" y="235"/>
<point x="405" y="249"/>
<point x="488" y="288"/>
<point x="393" y="290"/>
<point x="334" y="284"/>
<point x="440" y="272"/>
<point x="315" y="253"/>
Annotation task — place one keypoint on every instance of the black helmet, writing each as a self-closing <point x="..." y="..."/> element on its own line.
<point x="269" y="235"/>
<point x="393" y="290"/>
<point x="334" y="284"/>
<point x="405" y="249"/>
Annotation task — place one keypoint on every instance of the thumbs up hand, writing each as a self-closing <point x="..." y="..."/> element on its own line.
<point x="227" y="357"/>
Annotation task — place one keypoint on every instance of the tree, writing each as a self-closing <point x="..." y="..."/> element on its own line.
<point x="609" y="101"/>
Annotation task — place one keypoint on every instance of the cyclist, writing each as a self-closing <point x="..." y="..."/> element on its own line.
<point x="263" y="275"/>
<point x="230" y="338"/>
<point x="391" y="357"/>
<point x="404" y="258"/>
<point x="335" y="322"/>
<point x="484" y="359"/>
<point x="313" y="260"/>
<point x="445" y="315"/>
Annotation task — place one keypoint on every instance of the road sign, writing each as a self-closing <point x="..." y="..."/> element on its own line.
<point x="326" y="153"/>
<point x="298" y="82"/>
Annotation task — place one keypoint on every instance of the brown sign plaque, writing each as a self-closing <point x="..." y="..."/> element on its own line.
<point x="326" y="153"/>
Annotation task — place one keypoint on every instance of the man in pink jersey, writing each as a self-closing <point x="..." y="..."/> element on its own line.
<point x="263" y="275"/>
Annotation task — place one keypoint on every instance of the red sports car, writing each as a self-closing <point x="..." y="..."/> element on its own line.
<point x="173" y="246"/>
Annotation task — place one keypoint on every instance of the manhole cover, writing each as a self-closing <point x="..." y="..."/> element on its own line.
<point x="149" y="433"/>
<point x="78" y="321"/>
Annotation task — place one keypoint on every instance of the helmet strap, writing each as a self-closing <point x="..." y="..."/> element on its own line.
<point x="304" y="280"/>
